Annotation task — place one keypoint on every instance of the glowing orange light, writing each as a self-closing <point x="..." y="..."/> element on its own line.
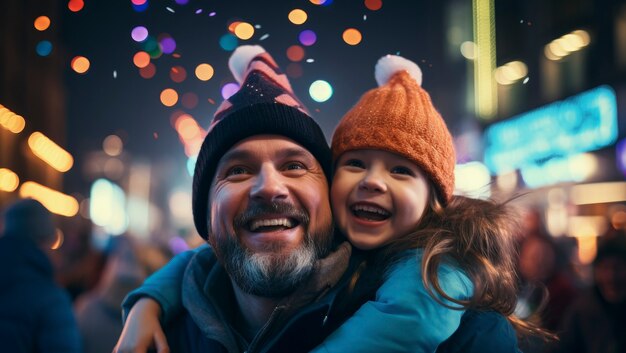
<point x="11" y="121"/>
<point x="49" y="152"/>
<point x="42" y="23"/>
<point x="204" y="72"/>
<point x="187" y="127"/>
<point x="232" y="26"/>
<point x="141" y="59"/>
<point x="352" y="36"/>
<point x="297" y="16"/>
<point x="169" y="97"/>
<point x="80" y="64"/>
<point x="8" y="180"/>
<point x="244" y="30"/>
<point x="59" y="240"/>
<point x="373" y="5"/>
<point x="55" y="201"/>
<point x="75" y="5"/>
<point x="295" y="53"/>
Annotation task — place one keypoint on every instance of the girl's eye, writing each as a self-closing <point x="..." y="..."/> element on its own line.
<point x="354" y="163"/>
<point x="236" y="171"/>
<point x="402" y="170"/>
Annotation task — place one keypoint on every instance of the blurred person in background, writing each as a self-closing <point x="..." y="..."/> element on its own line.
<point x="544" y="266"/>
<point x="596" y="322"/>
<point x="35" y="313"/>
<point x="98" y="311"/>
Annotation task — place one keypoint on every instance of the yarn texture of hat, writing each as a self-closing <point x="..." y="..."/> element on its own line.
<point x="264" y="104"/>
<point x="399" y="117"/>
<point x="28" y="218"/>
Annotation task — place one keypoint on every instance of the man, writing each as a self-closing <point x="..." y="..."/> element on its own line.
<point x="260" y="199"/>
<point x="35" y="314"/>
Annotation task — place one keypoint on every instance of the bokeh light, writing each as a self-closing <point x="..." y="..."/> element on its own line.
<point x="168" y="44"/>
<point x="42" y="23"/>
<point x="229" y="89"/>
<point x="112" y="145"/>
<point x="187" y="127"/>
<point x="228" y="42"/>
<point x="232" y="26"/>
<point x="9" y="181"/>
<point x="141" y="59"/>
<point x="204" y="72"/>
<point x="148" y="71"/>
<point x="317" y="2"/>
<point x="244" y="30"/>
<point x="141" y="6"/>
<point x="75" y="5"/>
<point x="80" y="64"/>
<point x="169" y="97"/>
<point x="307" y="37"/>
<point x="182" y="2"/>
<point x="352" y="36"/>
<point x="297" y="16"/>
<point x="295" y="53"/>
<point x="373" y="5"/>
<point x="178" y="74"/>
<point x="320" y="91"/>
<point x="189" y="100"/>
<point x="44" y="48"/>
<point x="139" y="33"/>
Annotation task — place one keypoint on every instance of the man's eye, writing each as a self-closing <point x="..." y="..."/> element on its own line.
<point x="354" y="163"/>
<point x="402" y="170"/>
<point x="294" y="166"/>
<point x="236" y="171"/>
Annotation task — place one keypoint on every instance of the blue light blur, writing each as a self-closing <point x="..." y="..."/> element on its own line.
<point x="585" y="122"/>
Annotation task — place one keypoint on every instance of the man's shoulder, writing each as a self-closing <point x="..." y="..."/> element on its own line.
<point x="482" y="331"/>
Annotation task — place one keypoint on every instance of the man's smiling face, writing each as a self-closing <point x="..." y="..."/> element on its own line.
<point x="270" y="215"/>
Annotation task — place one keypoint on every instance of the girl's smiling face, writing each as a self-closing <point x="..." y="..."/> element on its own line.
<point x="377" y="196"/>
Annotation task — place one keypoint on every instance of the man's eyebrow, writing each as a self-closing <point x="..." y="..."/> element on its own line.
<point x="295" y="152"/>
<point x="235" y="155"/>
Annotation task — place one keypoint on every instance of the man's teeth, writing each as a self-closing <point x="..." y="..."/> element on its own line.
<point x="283" y="222"/>
<point x="371" y="209"/>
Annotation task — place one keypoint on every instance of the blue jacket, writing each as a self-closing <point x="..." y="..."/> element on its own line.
<point x="35" y="314"/>
<point x="403" y="317"/>
<point x="487" y="332"/>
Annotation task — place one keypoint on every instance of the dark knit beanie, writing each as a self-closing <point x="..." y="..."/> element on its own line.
<point x="28" y="218"/>
<point x="264" y="104"/>
<point x="399" y="117"/>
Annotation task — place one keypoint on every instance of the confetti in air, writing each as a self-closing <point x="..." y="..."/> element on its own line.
<point x="265" y="36"/>
<point x="170" y="9"/>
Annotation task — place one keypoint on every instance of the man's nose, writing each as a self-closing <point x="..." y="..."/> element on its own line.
<point x="269" y="185"/>
<point x="373" y="181"/>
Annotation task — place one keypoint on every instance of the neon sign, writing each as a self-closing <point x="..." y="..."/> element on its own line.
<point x="582" y="123"/>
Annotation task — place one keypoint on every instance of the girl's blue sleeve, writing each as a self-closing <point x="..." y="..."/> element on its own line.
<point x="164" y="286"/>
<point x="404" y="317"/>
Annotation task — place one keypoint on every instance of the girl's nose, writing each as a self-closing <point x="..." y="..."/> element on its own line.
<point x="373" y="182"/>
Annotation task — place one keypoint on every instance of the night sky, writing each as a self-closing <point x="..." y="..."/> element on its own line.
<point x="99" y="104"/>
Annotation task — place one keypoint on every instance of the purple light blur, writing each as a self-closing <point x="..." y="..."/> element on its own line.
<point x="307" y="37"/>
<point x="182" y="2"/>
<point x="168" y="45"/>
<point x="178" y="245"/>
<point x="139" y="33"/>
<point x="229" y="89"/>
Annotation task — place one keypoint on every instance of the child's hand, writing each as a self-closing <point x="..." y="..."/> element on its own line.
<point x="142" y="329"/>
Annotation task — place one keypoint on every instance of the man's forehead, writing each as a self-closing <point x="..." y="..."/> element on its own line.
<point x="278" y="145"/>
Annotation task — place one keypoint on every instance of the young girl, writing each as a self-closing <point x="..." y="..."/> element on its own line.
<point x="426" y="255"/>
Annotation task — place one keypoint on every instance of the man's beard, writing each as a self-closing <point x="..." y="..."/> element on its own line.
<point x="274" y="272"/>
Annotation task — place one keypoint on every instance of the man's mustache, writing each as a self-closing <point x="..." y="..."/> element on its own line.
<point x="259" y="209"/>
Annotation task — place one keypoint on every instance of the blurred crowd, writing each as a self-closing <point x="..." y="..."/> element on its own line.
<point x="584" y="304"/>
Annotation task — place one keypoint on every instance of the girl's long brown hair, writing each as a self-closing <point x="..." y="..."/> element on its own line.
<point x="477" y="236"/>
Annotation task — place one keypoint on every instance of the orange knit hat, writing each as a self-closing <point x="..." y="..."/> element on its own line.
<point x="399" y="117"/>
